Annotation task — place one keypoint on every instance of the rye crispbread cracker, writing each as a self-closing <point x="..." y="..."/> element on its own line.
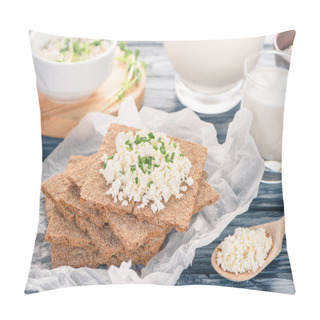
<point x="78" y="169"/>
<point x="70" y="200"/>
<point x="137" y="233"/>
<point x="129" y="230"/>
<point x="206" y="196"/>
<point x="177" y="212"/>
<point x="62" y="255"/>
<point x="133" y="232"/>
<point x="101" y="238"/>
<point x="66" y="198"/>
<point x="49" y="207"/>
<point x="61" y="231"/>
<point x="65" y="232"/>
<point x="75" y="159"/>
<point x="104" y="239"/>
<point x="53" y="187"/>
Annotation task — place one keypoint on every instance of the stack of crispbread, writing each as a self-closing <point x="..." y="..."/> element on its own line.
<point x="86" y="228"/>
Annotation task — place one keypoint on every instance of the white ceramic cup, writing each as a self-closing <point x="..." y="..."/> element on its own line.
<point x="69" y="82"/>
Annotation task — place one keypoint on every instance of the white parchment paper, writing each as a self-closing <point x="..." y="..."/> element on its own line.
<point x="234" y="169"/>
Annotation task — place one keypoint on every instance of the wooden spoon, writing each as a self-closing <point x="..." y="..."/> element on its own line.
<point x="276" y="230"/>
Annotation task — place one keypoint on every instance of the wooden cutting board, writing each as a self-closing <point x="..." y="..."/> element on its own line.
<point x="58" y="119"/>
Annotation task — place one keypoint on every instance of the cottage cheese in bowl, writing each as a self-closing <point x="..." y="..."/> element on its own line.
<point x="70" y="69"/>
<point x="73" y="49"/>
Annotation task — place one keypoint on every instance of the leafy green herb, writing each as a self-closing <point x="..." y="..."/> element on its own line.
<point x="104" y="165"/>
<point x="96" y="43"/>
<point x="137" y="180"/>
<point x="111" y="157"/>
<point x="66" y="46"/>
<point x="122" y="172"/>
<point x="150" y="183"/>
<point x="172" y="156"/>
<point x="175" y="145"/>
<point x="76" y="47"/>
<point x="181" y="155"/>
<point x="155" y="148"/>
<point x="133" y="73"/>
<point x="133" y="168"/>
<point x="157" y="165"/>
<point x="151" y="135"/>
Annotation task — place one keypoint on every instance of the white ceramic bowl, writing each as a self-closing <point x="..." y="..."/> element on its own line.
<point x="69" y="82"/>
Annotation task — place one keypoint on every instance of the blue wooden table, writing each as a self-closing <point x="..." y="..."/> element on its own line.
<point x="266" y="207"/>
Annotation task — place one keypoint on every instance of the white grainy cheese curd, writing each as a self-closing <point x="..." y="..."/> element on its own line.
<point x="73" y="49"/>
<point x="244" y="251"/>
<point x="147" y="166"/>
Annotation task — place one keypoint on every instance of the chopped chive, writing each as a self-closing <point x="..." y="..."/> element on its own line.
<point x="137" y="180"/>
<point x="104" y="165"/>
<point x="144" y="139"/>
<point x="163" y="148"/>
<point x="141" y="167"/>
<point x="137" y="141"/>
<point x="129" y="145"/>
<point x="111" y="157"/>
<point x="141" y="139"/>
<point x="166" y="158"/>
<point x="172" y="156"/>
<point x="175" y="145"/>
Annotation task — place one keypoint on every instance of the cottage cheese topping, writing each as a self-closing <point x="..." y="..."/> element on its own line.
<point x="147" y="167"/>
<point x="244" y="251"/>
